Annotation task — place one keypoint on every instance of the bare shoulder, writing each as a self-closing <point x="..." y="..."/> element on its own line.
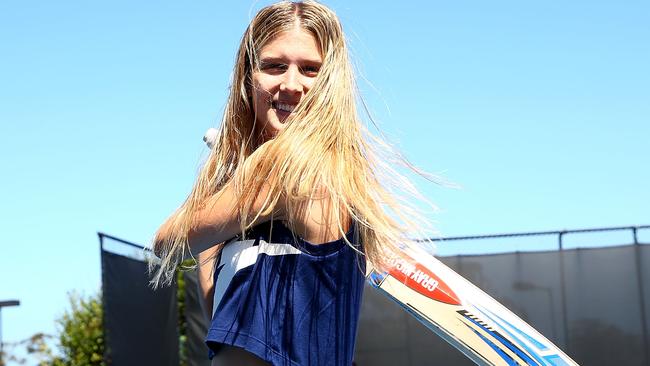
<point x="318" y="222"/>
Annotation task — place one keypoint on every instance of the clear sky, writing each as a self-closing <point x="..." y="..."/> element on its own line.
<point x="539" y="110"/>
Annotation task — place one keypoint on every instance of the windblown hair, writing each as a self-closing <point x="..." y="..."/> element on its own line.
<point x="324" y="151"/>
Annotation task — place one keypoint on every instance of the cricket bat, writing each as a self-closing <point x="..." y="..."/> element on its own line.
<point x="462" y="314"/>
<point x="459" y="312"/>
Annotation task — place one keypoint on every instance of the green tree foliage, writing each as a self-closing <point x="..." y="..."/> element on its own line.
<point x="80" y="341"/>
<point x="81" y="334"/>
<point x="187" y="265"/>
<point x="81" y="338"/>
<point x="182" y="320"/>
<point x="36" y="348"/>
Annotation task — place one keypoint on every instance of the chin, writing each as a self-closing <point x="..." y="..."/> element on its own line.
<point x="270" y="132"/>
<point x="277" y="125"/>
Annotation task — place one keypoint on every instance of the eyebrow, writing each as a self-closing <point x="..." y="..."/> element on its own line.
<point x="269" y="60"/>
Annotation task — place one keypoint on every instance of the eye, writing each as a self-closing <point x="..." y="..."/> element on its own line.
<point x="273" y="67"/>
<point x="310" y="70"/>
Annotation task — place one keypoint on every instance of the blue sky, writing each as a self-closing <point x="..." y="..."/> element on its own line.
<point x="539" y="110"/>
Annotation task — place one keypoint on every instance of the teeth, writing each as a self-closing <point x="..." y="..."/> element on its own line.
<point x="285" y="107"/>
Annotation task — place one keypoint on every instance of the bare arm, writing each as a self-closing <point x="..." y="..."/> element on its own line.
<point x="206" y="265"/>
<point x="315" y="220"/>
<point x="219" y="220"/>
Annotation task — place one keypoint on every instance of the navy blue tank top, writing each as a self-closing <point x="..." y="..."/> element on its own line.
<point x="287" y="301"/>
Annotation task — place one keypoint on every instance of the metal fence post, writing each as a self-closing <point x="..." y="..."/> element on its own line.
<point x="565" y="319"/>
<point x="639" y="276"/>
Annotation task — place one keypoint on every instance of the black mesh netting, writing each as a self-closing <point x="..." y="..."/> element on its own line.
<point x="590" y="302"/>
<point x="605" y="289"/>
<point x="140" y="324"/>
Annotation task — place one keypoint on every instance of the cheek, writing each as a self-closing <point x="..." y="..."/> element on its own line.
<point x="260" y="107"/>
<point x="260" y="96"/>
<point x="308" y="84"/>
<point x="264" y="84"/>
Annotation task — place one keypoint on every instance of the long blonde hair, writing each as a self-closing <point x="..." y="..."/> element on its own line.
<point x="325" y="148"/>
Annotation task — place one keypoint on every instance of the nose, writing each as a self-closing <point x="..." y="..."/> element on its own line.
<point x="291" y="82"/>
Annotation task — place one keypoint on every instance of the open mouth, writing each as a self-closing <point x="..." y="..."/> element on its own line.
<point x="284" y="107"/>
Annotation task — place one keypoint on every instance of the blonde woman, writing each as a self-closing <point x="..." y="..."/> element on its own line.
<point x="291" y="203"/>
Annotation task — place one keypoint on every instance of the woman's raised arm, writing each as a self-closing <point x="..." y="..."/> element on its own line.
<point x="218" y="220"/>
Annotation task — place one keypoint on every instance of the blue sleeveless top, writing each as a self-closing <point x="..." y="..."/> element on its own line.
<point x="287" y="301"/>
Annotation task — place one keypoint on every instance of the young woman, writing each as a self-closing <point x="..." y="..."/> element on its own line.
<point x="292" y="202"/>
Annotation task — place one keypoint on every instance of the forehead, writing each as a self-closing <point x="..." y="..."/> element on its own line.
<point x="294" y="44"/>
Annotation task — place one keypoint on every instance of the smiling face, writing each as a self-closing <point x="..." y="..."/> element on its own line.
<point x="288" y="66"/>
